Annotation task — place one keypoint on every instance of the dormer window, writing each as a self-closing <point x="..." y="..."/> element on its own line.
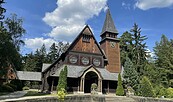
<point x="86" y="38"/>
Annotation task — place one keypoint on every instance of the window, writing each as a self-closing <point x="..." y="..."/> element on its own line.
<point x="86" y="38"/>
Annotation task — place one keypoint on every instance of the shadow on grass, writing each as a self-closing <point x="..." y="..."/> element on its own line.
<point x="4" y="93"/>
<point x="35" y="93"/>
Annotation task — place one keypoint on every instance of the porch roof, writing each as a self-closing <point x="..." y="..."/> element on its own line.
<point x="31" y="76"/>
<point x="77" y="71"/>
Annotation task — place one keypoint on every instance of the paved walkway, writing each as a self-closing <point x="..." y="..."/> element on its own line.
<point x="16" y="94"/>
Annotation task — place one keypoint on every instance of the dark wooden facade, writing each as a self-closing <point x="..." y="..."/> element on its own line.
<point x="85" y="52"/>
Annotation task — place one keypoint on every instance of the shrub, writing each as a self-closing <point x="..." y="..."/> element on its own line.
<point x="169" y="92"/>
<point x="25" y="88"/>
<point x="146" y="88"/>
<point x="94" y="86"/>
<point x="12" y="86"/>
<point x="6" y="88"/>
<point x="18" y="83"/>
<point x="160" y="91"/>
<point x="120" y="89"/>
<point x="61" y="94"/>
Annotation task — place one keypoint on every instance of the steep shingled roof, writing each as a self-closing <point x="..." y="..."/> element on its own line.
<point x="31" y="76"/>
<point x="109" y="24"/>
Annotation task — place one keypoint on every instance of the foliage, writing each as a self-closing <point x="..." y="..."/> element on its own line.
<point x="25" y="88"/>
<point x="120" y="89"/>
<point x="52" y="55"/>
<point x="12" y="86"/>
<point x="30" y="63"/>
<point x="169" y="92"/>
<point x="152" y="72"/>
<point x="6" y="88"/>
<point x="62" y="82"/>
<point x="130" y="75"/>
<point x="164" y="60"/>
<point x="2" y="10"/>
<point x="18" y="83"/>
<point x="56" y="50"/>
<point x="15" y="30"/>
<point x="146" y="88"/>
<point x="34" y="60"/>
<point x="61" y="94"/>
<point x="162" y="92"/>
<point x="94" y="86"/>
<point x="132" y="46"/>
<point x="11" y="32"/>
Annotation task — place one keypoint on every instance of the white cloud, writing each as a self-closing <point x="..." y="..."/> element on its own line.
<point x="126" y="5"/>
<point x="148" y="4"/>
<point x="150" y="53"/>
<point x="68" y="19"/>
<point x="36" y="43"/>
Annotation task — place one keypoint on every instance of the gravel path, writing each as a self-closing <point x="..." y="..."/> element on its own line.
<point x="16" y="94"/>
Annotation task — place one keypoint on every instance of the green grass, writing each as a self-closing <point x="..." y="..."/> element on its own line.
<point x="4" y="93"/>
<point x="35" y="93"/>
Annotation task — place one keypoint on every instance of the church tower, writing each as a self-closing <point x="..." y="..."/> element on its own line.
<point x="110" y="44"/>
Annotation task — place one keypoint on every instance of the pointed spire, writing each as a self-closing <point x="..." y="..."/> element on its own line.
<point x="109" y="24"/>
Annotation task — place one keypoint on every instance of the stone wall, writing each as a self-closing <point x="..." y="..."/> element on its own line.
<point x="89" y="98"/>
<point x="149" y="99"/>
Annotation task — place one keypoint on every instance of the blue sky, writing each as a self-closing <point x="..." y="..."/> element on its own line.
<point x="48" y="21"/>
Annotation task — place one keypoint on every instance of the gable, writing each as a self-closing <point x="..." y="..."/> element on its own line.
<point x="86" y="42"/>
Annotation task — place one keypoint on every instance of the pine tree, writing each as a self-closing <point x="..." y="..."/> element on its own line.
<point x="139" y="49"/>
<point x="120" y="89"/>
<point x="62" y="82"/>
<point x="164" y="60"/>
<point x="146" y="88"/>
<point x="130" y="75"/>
<point x="126" y="46"/>
<point x="52" y="55"/>
<point x="65" y="77"/>
<point x="132" y="45"/>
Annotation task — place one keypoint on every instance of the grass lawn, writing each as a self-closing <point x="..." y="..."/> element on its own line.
<point x="4" y="93"/>
<point x="35" y="93"/>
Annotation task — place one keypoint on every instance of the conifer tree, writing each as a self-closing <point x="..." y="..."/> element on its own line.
<point x="164" y="60"/>
<point x="146" y="88"/>
<point x="120" y="89"/>
<point x="62" y="82"/>
<point x="130" y="75"/>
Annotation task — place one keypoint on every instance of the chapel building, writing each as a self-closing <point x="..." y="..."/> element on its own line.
<point x="88" y="62"/>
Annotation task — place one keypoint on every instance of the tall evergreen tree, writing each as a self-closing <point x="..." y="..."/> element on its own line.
<point x="62" y="82"/>
<point x="164" y="60"/>
<point x="30" y="62"/>
<point x="139" y="48"/>
<point x="52" y="55"/>
<point x="130" y="74"/>
<point x="120" y="89"/>
<point x="126" y="46"/>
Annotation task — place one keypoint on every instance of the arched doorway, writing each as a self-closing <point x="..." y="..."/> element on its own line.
<point x="90" y="77"/>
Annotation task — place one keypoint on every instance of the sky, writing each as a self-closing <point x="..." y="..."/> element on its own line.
<point x="49" y="21"/>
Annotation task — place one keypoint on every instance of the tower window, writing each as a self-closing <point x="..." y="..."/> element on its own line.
<point x="86" y="38"/>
